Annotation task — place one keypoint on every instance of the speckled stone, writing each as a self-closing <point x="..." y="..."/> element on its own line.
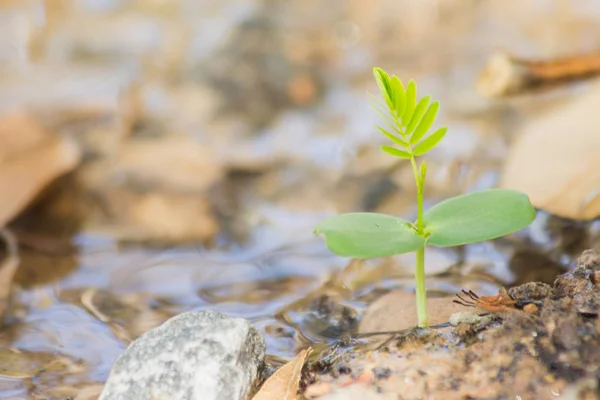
<point x="196" y="355"/>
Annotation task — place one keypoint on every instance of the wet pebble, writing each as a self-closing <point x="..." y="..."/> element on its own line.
<point x="531" y="291"/>
<point x="581" y="283"/>
<point x="196" y="355"/>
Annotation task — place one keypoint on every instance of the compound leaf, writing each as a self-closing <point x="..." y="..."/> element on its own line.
<point x="430" y="142"/>
<point x="477" y="216"/>
<point x="395" y="152"/>
<point x="425" y="123"/>
<point x="368" y="235"/>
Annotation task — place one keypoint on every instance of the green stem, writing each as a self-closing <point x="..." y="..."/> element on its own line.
<point x="420" y="254"/>
<point x="420" y="288"/>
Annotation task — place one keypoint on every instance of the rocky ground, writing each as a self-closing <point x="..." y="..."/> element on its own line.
<point x="540" y="342"/>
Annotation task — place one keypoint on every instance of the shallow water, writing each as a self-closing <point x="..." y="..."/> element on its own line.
<point x="276" y="91"/>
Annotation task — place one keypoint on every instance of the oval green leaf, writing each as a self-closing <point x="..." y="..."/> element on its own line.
<point x="425" y="123"/>
<point x="395" y="152"/>
<point x="411" y="99"/>
<point x="430" y="142"/>
<point x="368" y="235"/>
<point x="418" y="114"/>
<point x="477" y="216"/>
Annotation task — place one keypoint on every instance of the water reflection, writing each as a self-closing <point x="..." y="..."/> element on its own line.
<point x="273" y="97"/>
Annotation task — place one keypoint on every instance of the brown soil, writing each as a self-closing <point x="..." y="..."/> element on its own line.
<point x="545" y="345"/>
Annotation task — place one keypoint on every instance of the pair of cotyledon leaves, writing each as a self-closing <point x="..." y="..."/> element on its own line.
<point x="469" y="218"/>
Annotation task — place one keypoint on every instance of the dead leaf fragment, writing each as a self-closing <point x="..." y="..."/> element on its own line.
<point x="283" y="384"/>
<point x="555" y="160"/>
<point x="30" y="158"/>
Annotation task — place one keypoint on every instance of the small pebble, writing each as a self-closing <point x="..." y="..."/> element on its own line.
<point x="530" y="308"/>
<point x="465" y="317"/>
<point x="382" y="372"/>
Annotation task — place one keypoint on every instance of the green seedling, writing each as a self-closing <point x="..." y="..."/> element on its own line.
<point x="469" y="218"/>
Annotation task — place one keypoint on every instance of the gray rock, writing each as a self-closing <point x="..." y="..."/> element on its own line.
<point x="196" y="355"/>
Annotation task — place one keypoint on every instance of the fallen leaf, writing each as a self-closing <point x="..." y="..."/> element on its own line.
<point x="555" y="160"/>
<point x="397" y="311"/>
<point x="283" y="384"/>
<point x="30" y="158"/>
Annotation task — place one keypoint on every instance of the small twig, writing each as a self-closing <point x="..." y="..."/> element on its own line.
<point x="506" y="75"/>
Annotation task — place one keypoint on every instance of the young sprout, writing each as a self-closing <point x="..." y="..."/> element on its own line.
<point x="469" y="218"/>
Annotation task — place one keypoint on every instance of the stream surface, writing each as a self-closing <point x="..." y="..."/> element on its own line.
<point x="275" y="94"/>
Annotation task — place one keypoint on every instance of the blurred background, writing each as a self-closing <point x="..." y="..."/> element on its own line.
<point x="161" y="156"/>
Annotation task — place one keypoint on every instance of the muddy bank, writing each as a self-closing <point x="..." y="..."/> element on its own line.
<point x="534" y="341"/>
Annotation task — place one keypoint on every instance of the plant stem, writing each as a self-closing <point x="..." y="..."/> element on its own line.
<point x="420" y="288"/>
<point x="420" y="254"/>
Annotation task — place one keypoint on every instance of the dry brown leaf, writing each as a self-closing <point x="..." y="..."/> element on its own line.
<point x="283" y="384"/>
<point x="397" y="311"/>
<point x="30" y="158"/>
<point x="555" y="160"/>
